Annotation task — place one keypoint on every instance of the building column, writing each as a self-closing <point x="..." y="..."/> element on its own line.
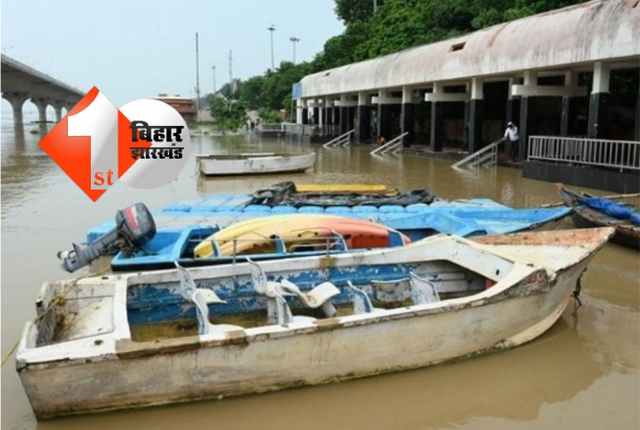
<point x="384" y="127"/>
<point x="598" y="127"/>
<point x="474" y="116"/>
<point x="437" y="127"/>
<point x="637" y="132"/>
<point x="569" y="113"/>
<point x="527" y="126"/>
<point x="17" y="101"/>
<point x="344" y="119"/>
<point x="299" y="110"/>
<point x="363" y="133"/>
<point x="407" y="116"/>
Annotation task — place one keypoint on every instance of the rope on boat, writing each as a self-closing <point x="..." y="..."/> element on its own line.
<point x="58" y="300"/>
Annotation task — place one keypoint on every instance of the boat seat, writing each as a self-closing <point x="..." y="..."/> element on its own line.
<point x="422" y="290"/>
<point x="361" y="301"/>
<point x="319" y="297"/>
<point x="202" y="297"/>
<point x="278" y="310"/>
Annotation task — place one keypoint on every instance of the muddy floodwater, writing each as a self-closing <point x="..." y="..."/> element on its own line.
<point x="582" y="374"/>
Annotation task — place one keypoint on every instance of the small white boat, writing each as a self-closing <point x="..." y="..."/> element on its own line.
<point x="152" y="338"/>
<point x="256" y="163"/>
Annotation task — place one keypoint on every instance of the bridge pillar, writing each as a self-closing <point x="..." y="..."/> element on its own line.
<point x="363" y="132"/>
<point x="407" y="116"/>
<point x="599" y="102"/>
<point x="57" y="107"/>
<point x="472" y="138"/>
<point x="41" y="104"/>
<point x="17" y="101"/>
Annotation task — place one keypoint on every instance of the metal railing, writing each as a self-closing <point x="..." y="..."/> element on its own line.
<point x="272" y="127"/>
<point x="617" y="154"/>
<point x="311" y="130"/>
<point x="393" y="146"/>
<point x="485" y="157"/>
<point x="342" y="140"/>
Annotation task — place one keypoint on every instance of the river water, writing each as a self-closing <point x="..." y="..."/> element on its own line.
<point x="582" y="374"/>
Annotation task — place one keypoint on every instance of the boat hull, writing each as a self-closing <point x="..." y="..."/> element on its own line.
<point x="223" y="166"/>
<point x="308" y="353"/>
<point x="585" y="217"/>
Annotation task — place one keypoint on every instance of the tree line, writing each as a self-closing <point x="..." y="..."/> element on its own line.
<point x="395" y="25"/>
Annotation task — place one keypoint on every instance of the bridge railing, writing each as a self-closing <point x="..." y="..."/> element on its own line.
<point x="617" y="154"/>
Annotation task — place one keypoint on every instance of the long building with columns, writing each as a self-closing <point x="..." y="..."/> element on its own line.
<point x="549" y="70"/>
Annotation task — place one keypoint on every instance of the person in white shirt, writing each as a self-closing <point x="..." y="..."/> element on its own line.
<point x="511" y="138"/>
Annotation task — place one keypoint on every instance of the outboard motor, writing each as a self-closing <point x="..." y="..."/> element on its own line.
<point x="134" y="228"/>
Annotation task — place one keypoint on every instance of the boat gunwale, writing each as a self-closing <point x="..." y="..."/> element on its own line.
<point x="123" y="345"/>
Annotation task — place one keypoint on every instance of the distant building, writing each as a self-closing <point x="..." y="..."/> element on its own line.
<point x="185" y="107"/>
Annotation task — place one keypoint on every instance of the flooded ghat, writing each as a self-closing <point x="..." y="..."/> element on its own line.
<point x="583" y="373"/>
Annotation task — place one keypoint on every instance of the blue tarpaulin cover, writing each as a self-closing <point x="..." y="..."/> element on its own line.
<point x="612" y="208"/>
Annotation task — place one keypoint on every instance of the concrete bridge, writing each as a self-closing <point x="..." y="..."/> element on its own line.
<point x="548" y="73"/>
<point x="21" y="83"/>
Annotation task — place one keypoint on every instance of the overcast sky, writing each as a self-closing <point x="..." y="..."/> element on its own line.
<point x="137" y="49"/>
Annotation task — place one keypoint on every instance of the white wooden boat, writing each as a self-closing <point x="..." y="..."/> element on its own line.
<point x="161" y="337"/>
<point x="256" y="163"/>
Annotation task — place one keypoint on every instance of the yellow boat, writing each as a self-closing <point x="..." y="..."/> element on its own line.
<point x="297" y="231"/>
<point x="346" y="188"/>
<point x="242" y="228"/>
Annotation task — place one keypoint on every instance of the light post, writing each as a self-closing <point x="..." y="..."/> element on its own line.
<point x="272" y="29"/>
<point x="213" y="68"/>
<point x="293" y="40"/>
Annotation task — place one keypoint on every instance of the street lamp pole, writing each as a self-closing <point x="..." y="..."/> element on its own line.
<point x="293" y="40"/>
<point x="272" y="29"/>
<point x="214" y="79"/>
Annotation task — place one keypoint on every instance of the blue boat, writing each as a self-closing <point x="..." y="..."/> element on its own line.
<point x="176" y="242"/>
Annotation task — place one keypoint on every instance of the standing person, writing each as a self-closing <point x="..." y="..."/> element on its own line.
<point x="511" y="138"/>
